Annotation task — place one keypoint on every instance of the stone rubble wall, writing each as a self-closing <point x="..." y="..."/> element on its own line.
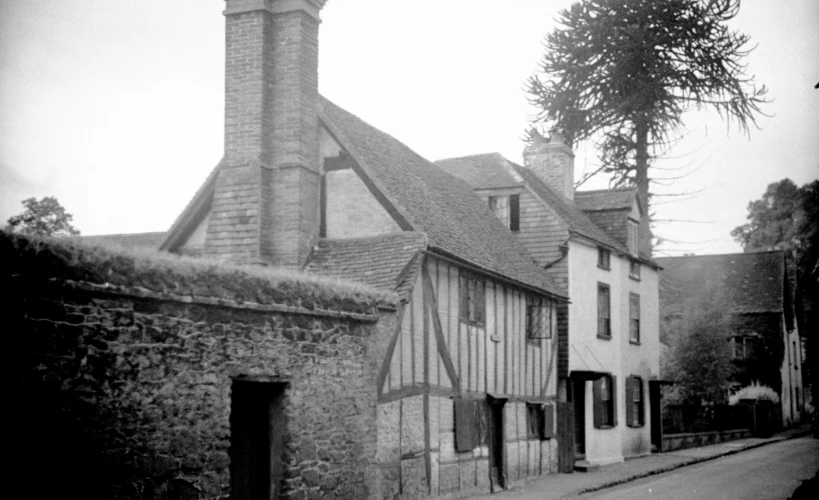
<point x="119" y="394"/>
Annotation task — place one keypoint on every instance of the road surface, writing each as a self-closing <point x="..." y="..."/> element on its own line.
<point x="765" y="473"/>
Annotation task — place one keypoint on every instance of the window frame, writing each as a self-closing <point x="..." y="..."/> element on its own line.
<point x="634" y="322"/>
<point x="633" y="237"/>
<point x="634" y="270"/>
<point x="604" y="402"/>
<point x="535" y="421"/>
<point x="608" y="333"/>
<point x="604" y="258"/>
<point x="545" y="308"/>
<point x="506" y="209"/>
<point x="745" y="344"/>
<point x="635" y="401"/>
<point x="472" y="290"/>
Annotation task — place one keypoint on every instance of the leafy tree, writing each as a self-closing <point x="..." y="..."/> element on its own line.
<point x="787" y="218"/>
<point x="698" y="357"/>
<point x="43" y="218"/>
<point x="623" y="72"/>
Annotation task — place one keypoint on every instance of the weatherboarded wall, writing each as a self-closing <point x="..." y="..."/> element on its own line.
<point x="121" y="391"/>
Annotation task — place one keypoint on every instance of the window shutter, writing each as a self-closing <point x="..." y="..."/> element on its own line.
<point x="548" y="421"/>
<point x="598" y="405"/>
<point x="613" y="401"/>
<point x="514" y="212"/>
<point x="465" y="428"/>
<point x="630" y="401"/>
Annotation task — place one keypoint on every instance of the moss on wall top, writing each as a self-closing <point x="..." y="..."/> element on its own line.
<point x="31" y="259"/>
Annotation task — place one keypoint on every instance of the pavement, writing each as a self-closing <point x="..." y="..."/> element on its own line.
<point x="557" y="486"/>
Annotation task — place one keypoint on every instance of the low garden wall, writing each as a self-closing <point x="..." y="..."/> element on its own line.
<point x="672" y="442"/>
<point x="123" y="367"/>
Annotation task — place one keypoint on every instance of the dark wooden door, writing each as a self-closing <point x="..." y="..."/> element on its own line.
<point x="257" y="428"/>
<point x="655" y="408"/>
<point x="497" y="467"/>
<point x="579" y="404"/>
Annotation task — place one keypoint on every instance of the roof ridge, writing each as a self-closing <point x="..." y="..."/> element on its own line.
<point x="465" y="157"/>
<point x="609" y="190"/>
<point x="719" y="254"/>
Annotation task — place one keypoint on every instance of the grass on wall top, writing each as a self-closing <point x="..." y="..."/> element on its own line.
<point x="30" y="258"/>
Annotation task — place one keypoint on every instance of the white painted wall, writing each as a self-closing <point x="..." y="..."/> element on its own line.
<point x="617" y="355"/>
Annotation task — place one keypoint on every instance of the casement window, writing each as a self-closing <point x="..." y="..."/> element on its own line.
<point x="507" y="210"/>
<point x="473" y="306"/>
<point x="634" y="270"/>
<point x="535" y="421"/>
<point x="603" y="311"/>
<point x="634" y="318"/>
<point x="539" y="313"/>
<point x="604" y="395"/>
<point x="603" y="258"/>
<point x="744" y="347"/>
<point x="471" y="424"/>
<point x="633" y="237"/>
<point x="635" y="402"/>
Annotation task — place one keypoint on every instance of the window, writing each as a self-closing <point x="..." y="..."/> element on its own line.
<point x="472" y="300"/>
<point x="603" y="258"/>
<point x="535" y="420"/>
<point x="605" y="403"/>
<point x="633" y="237"/>
<point x="634" y="318"/>
<point x="744" y="347"/>
<point x="634" y="270"/>
<point x="635" y="409"/>
<point x="507" y="210"/>
<point x="538" y="318"/>
<point x="603" y="311"/>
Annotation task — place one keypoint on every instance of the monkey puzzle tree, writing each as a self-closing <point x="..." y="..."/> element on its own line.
<point x="623" y="72"/>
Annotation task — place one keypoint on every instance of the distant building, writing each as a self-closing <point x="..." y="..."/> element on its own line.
<point x="755" y="289"/>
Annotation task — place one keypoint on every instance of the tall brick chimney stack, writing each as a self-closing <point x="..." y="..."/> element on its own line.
<point x="552" y="161"/>
<point x="265" y="205"/>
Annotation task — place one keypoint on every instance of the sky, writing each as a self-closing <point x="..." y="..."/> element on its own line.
<point x="116" y="107"/>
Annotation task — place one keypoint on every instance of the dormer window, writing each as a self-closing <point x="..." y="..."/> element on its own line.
<point x="507" y="210"/>
<point x="634" y="270"/>
<point x="633" y="237"/>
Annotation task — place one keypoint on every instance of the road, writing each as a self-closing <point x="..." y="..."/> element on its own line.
<point x="765" y="473"/>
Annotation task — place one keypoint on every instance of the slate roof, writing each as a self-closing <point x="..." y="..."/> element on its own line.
<point x="605" y="199"/>
<point x="484" y="171"/>
<point x="751" y="282"/>
<point x="457" y="223"/>
<point x="383" y="262"/>
<point x="134" y="240"/>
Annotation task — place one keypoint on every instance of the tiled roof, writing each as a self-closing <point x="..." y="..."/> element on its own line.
<point x="577" y="221"/>
<point x="378" y="261"/>
<point x="613" y="222"/>
<point x="605" y="199"/>
<point x="749" y="282"/>
<point x="133" y="240"/>
<point x="457" y="223"/>
<point x="484" y="171"/>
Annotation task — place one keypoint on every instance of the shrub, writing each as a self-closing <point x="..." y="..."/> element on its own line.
<point x="755" y="391"/>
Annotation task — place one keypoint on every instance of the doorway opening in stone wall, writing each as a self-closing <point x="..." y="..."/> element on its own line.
<point x="497" y="464"/>
<point x="257" y="432"/>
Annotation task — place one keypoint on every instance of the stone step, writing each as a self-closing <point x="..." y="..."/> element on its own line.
<point x="584" y="466"/>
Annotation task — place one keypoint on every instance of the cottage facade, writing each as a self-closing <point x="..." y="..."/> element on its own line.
<point x="754" y="289"/>
<point x="591" y="244"/>
<point x="467" y="391"/>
